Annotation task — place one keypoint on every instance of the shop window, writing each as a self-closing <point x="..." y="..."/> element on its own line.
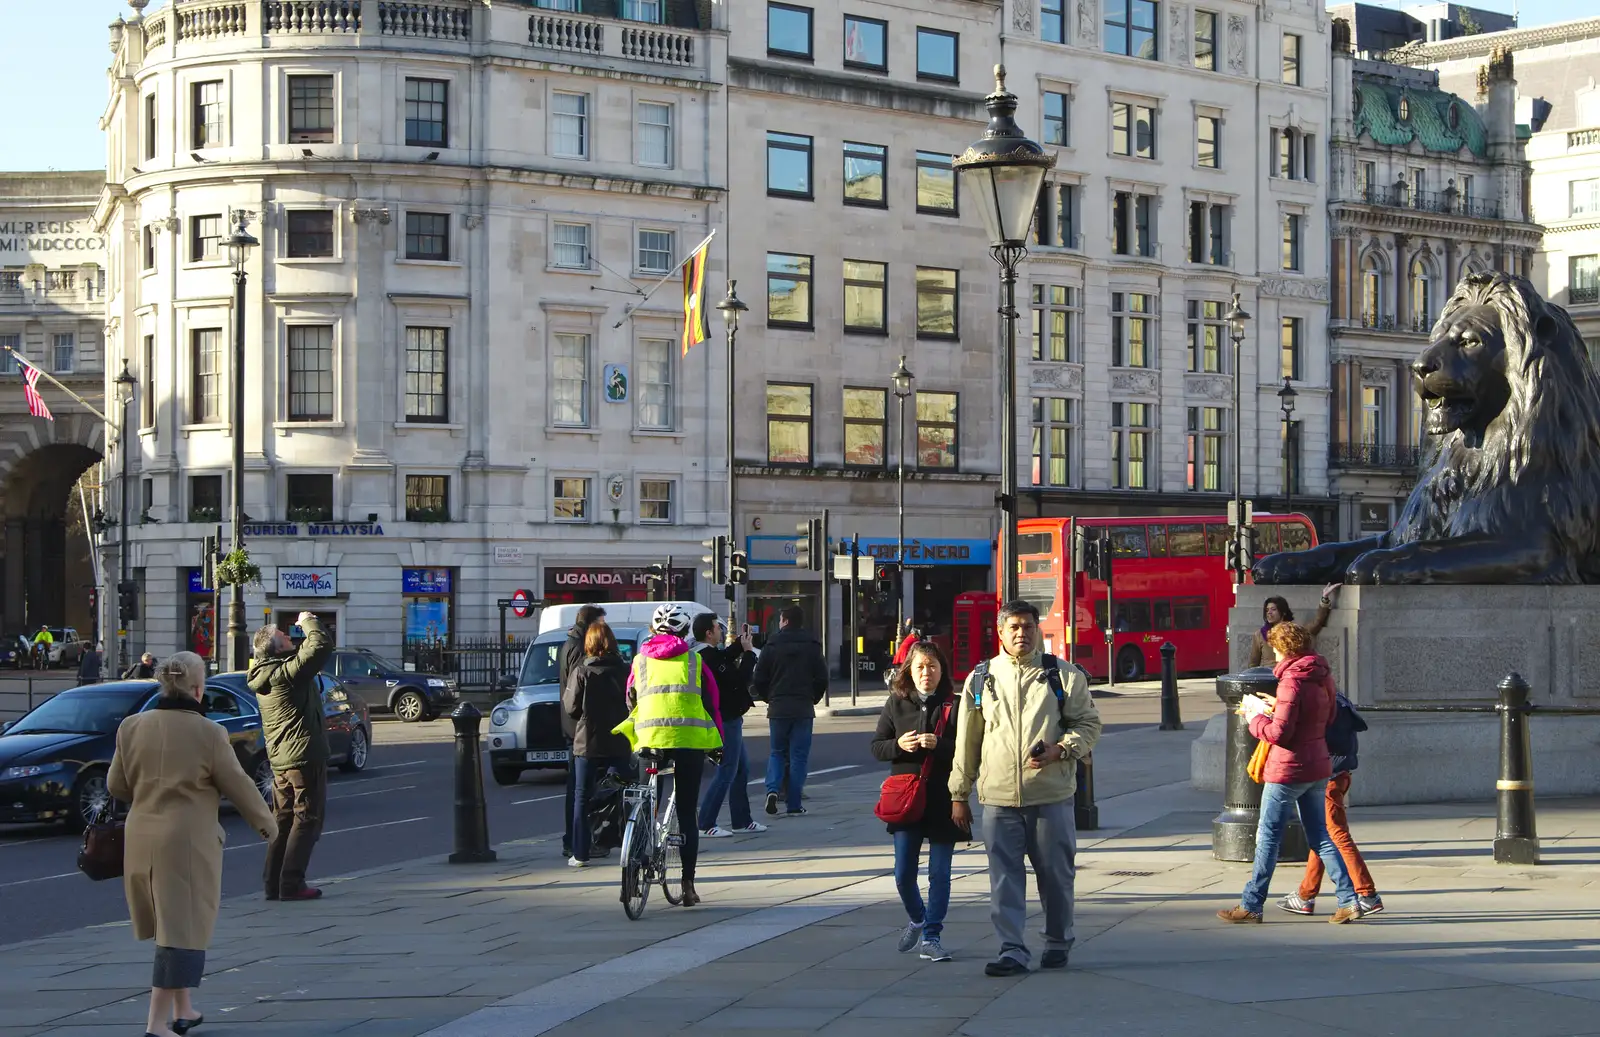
<point x="310" y="498"/>
<point x="427" y="498"/>
<point x="205" y="498"/>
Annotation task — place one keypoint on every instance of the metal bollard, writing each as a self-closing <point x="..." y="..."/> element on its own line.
<point x="1086" y="814"/>
<point x="1515" y="838"/>
<point x="472" y="814"/>
<point x="1171" y="719"/>
<point x="1233" y="832"/>
<point x="30" y="693"/>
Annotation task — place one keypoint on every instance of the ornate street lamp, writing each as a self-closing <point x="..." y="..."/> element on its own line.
<point x="1002" y="174"/>
<point x="731" y="306"/>
<point x="1237" y="317"/>
<point x="902" y="379"/>
<point x="126" y="383"/>
<point x="239" y="245"/>
<point x="1286" y="397"/>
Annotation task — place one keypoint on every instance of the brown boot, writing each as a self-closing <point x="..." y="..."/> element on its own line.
<point x="690" y="897"/>
<point x="1240" y="916"/>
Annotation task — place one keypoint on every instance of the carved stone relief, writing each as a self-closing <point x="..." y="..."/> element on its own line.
<point x="1178" y="36"/>
<point x="1237" y="54"/>
<point x="1377" y="375"/>
<point x="1057" y="376"/>
<point x="1210" y="387"/>
<point x="1296" y="287"/>
<point x="1139" y="383"/>
<point x="1088" y="22"/>
<point x="1022" y="15"/>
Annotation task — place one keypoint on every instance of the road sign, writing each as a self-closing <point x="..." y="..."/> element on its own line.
<point x="521" y="604"/>
<point x="864" y="567"/>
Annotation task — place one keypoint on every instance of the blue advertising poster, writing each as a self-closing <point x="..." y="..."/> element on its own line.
<point x="425" y="581"/>
<point x="427" y="620"/>
<point x="197" y="583"/>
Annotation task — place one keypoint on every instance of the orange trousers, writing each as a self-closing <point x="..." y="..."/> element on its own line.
<point x="1339" y="832"/>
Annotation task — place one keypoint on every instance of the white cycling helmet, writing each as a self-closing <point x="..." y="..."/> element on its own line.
<point x="670" y="619"/>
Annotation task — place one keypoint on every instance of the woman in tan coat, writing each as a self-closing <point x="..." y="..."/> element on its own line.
<point x="173" y="765"/>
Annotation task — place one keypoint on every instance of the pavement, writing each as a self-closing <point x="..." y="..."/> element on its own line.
<point x="798" y="930"/>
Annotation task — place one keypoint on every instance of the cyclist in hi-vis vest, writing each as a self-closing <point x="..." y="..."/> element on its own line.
<point x="676" y="710"/>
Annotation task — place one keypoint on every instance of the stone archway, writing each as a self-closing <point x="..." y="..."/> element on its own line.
<point x="45" y="565"/>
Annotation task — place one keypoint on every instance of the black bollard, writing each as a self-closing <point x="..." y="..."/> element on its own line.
<point x="1233" y="832"/>
<point x="472" y="814"/>
<point x="1171" y="718"/>
<point x="1086" y="815"/>
<point x="1515" y="838"/>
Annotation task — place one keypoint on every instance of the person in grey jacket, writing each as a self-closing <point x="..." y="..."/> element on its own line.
<point x="790" y="677"/>
<point x="572" y="656"/>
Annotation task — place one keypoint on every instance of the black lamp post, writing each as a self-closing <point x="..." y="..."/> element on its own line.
<point x="125" y="386"/>
<point x="1286" y="397"/>
<point x="1002" y="174"/>
<point x="902" y="379"/>
<point x="731" y="306"/>
<point x="1236" y="318"/>
<point x="239" y="246"/>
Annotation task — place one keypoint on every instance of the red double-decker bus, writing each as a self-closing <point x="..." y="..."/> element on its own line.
<point x="1168" y="583"/>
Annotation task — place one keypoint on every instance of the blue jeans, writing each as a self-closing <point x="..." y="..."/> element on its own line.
<point x="907" y="854"/>
<point x="732" y="780"/>
<point x="586" y="773"/>
<point x="1278" y="805"/>
<point x="791" y="743"/>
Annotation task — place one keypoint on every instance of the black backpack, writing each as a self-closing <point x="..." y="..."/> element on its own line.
<point x="1341" y="737"/>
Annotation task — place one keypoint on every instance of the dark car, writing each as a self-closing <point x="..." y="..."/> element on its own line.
<point x="346" y="718"/>
<point x="409" y="695"/>
<point x="16" y="649"/>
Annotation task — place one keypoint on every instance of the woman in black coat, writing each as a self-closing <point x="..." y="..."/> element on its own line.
<point x="595" y="700"/>
<point x="920" y="696"/>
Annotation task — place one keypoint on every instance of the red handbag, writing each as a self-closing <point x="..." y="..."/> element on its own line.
<point x="903" y="797"/>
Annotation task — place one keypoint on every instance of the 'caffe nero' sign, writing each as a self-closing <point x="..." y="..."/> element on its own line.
<point x="312" y="529"/>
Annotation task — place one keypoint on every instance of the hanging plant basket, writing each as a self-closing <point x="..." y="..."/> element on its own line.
<point x="238" y="570"/>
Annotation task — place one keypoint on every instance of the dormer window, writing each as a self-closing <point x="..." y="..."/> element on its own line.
<point x="1405" y="109"/>
<point x="1454" y="118"/>
<point x="642" y="10"/>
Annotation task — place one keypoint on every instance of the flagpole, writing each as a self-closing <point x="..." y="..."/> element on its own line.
<point x="631" y="310"/>
<point x="113" y="426"/>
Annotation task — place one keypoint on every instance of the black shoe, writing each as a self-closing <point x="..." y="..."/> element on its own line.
<point x="183" y="1026"/>
<point x="772" y="802"/>
<point x="1053" y="960"/>
<point x="1003" y="967"/>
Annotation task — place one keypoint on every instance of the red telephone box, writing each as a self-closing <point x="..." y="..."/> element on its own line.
<point x="972" y="636"/>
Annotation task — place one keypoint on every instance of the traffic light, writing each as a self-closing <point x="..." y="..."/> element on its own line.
<point x="1239" y="553"/>
<point x="657" y="583"/>
<point x="1103" y="562"/>
<point x="738" y="568"/>
<point x="717" y="559"/>
<point x="128" y="601"/>
<point x="886" y="575"/>
<point x="1079" y="539"/>
<point x="809" y="548"/>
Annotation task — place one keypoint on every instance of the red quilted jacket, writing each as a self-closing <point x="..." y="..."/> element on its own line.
<point x="1298" y="725"/>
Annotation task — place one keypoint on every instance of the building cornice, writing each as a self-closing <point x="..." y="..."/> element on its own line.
<point x="1482" y="45"/>
<point x="867" y="474"/>
<point x="1348" y="217"/>
<point x="862" y="91"/>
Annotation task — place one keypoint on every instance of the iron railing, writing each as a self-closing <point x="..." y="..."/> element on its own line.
<point x="475" y="663"/>
<point x="1401" y="196"/>
<point x="1375" y="455"/>
<point x="1583" y="294"/>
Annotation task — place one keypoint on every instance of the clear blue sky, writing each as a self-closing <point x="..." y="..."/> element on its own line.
<point x="53" y="57"/>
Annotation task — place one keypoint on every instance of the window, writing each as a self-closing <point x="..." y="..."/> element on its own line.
<point x="569" y="382"/>
<point x="1055" y="118"/>
<point x="1132" y="224"/>
<point x="1207" y="331"/>
<point x="936" y="429"/>
<point x="569" y="125"/>
<point x="147" y="368"/>
<point x="866" y="428"/>
<point x="788" y="290"/>
<point x="205" y="361"/>
<point x="1308" y="149"/>
<point x="147" y="238"/>
<point x="310" y="233"/>
<point x="427" y="375"/>
<point x="570" y="499"/>
<point x="936" y="184"/>
<point x="1291" y="241"/>
<point x="1055" y="221"/>
<point x="1052" y="21"/>
<point x="1131" y="28"/>
<point x="571" y="246"/>
<point x="1054" y="307"/>
<point x="865" y="166"/>
<point x="1466" y="191"/>
<point x="1208" y="233"/>
<point x="866" y="43"/>
<point x="1289" y="338"/>
<point x="1371" y="291"/>
<point x="150" y="124"/>
<point x="1291" y="59"/>
<point x="1293" y="464"/>
<point x="205" y="238"/>
<point x="1053" y="432"/>
<point x="655" y="251"/>
<point x="207" y="110"/>
<point x="427" y="113"/>
<point x="643" y="10"/>
<point x="866" y="296"/>
<point x="1372" y="412"/>
<point x="1421" y="295"/>
<point x="937" y="55"/>
<point x="310" y="109"/>
<point x="1130" y="446"/>
<point x="205" y="498"/>
<point x="428" y="235"/>
<point x="1207" y="133"/>
<point x="789" y="31"/>
<point x="1132" y="335"/>
<point x="653" y="386"/>
<point x="788" y="165"/>
<point x="653" y="134"/>
<point x="788" y="424"/>
<point x="1366" y="178"/>
<point x="1584" y="196"/>
<point x="1206" y="438"/>
<point x="1418" y="187"/>
<point x="1205" y="40"/>
<point x="310" y="498"/>
<point x="427" y="498"/>
<point x="1583" y="279"/>
<point x="936" y="302"/>
<point x="63" y="352"/>
<point x="655" y="500"/>
<point x="311" y="372"/>
<point x="1133" y="130"/>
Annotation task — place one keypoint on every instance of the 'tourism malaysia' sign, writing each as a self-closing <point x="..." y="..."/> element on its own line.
<point x="58" y="241"/>
<point x="308" y="583"/>
<point x="312" y="529"/>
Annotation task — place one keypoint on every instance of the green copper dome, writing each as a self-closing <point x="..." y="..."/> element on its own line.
<point x="1439" y="121"/>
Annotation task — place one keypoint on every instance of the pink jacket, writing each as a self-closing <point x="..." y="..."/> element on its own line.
<point x="668" y="646"/>
<point x="1298" y="725"/>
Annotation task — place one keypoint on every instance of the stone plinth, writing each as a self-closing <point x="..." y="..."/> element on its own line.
<point x="1409" y="645"/>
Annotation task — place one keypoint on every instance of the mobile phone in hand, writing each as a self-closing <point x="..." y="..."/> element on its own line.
<point x="1037" y="750"/>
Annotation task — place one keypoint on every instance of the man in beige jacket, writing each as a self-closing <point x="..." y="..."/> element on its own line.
<point x="1021" y="732"/>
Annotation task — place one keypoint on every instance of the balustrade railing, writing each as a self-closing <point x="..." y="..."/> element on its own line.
<point x="556" y="33"/>
<point x="1583" y="138"/>
<point x="312" y="16"/>
<point x="1377" y="321"/>
<point x="433" y="21"/>
<point x="671" y="48"/>
<point x="1451" y="202"/>
<point x="155" y="30"/>
<point x="203" y="21"/>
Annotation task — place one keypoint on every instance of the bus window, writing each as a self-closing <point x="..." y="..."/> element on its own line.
<point x="1217" y="538"/>
<point x="1035" y="544"/>
<point x="1133" y="617"/>
<point x="1158" y="540"/>
<point x="1189" y="613"/>
<point x="1296" y="536"/>
<point x="1127" y="541"/>
<point x="1034" y="566"/>
<point x="1186" y="541"/>
<point x="1163" y="614"/>
<point x="1266" y="539"/>
<point x="1100" y="615"/>
<point x="1038" y="591"/>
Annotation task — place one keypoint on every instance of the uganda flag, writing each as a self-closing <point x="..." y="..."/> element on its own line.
<point x="695" y="327"/>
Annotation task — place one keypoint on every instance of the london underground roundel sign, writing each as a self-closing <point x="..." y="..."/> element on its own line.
<point x="521" y="603"/>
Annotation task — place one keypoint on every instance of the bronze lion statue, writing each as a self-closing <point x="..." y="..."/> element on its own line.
<point x="1511" y="492"/>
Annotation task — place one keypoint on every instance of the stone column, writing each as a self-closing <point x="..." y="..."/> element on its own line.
<point x="16" y="595"/>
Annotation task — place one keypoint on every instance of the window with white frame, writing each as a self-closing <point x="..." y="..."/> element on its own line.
<point x="1207" y="442"/>
<point x="1056" y="115"/>
<point x="1055" y="220"/>
<point x="1207" y="330"/>
<point x="9" y="341"/>
<point x="1133" y="340"/>
<point x="1290" y="344"/>
<point x="1131" y="455"/>
<point x="206" y="371"/>
<point x="1421" y="294"/>
<point x="571" y="246"/>
<point x="427" y="498"/>
<point x="569" y="125"/>
<point x="653" y="384"/>
<point x="655" y="251"/>
<point x="207" y="114"/>
<point x="1133" y="130"/>
<point x="653" y="133"/>
<point x="1208" y="232"/>
<point x="1207" y="141"/>
<point x="427" y="375"/>
<point x="1292" y="224"/>
<point x="1205" y="40"/>
<point x="655" y="500"/>
<point x="642" y="10"/>
<point x="427" y="112"/>
<point x="311" y="109"/>
<point x="1133" y="224"/>
<point x="64" y="352"/>
<point x="1055" y="311"/>
<point x="1131" y="26"/>
<point x="569" y="381"/>
<point x="1054" y="430"/>
<point x="310" y="370"/>
<point x="1371" y="291"/>
<point x="1584" y="196"/>
<point x="569" y="499"/>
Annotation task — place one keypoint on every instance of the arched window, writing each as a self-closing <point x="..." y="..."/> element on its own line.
<point x="1371" y="291"/>
<point x="1421" y="294"/>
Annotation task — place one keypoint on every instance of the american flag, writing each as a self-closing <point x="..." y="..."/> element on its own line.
<point x="30" y="378"/>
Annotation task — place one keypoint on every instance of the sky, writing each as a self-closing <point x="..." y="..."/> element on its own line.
<point x="53" y="58"/>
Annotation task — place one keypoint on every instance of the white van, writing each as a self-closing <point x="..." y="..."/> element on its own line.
<point x="618" y="613"/>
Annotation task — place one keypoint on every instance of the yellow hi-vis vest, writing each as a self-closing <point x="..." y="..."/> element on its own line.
<point x="669" y="712"/>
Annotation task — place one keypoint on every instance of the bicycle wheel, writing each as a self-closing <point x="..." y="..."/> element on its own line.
<point x="635" y="864"/>
<point x="669" y="849"/>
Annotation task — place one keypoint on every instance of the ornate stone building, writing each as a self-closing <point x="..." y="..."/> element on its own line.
<point x="1426" y="187"/>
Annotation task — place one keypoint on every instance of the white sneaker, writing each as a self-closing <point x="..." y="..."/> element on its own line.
<point x="715" y="832"/>
<point x="753" y="826"/>
<point x="573" y="862"/>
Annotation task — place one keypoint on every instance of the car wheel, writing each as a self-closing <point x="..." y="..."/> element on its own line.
<point x="1130" y="664"/>
<point x="410" y="706"/>
<point x="355" y="759"/>
<point x="506" y="775"/>
<point x="261" y="774"/>
<point x="91" y="800"/>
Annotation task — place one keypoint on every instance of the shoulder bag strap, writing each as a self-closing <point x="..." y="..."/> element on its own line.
<point x="938" y="730"/>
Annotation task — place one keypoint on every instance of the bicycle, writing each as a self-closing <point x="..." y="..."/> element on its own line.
<point x="651" y="843"/>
